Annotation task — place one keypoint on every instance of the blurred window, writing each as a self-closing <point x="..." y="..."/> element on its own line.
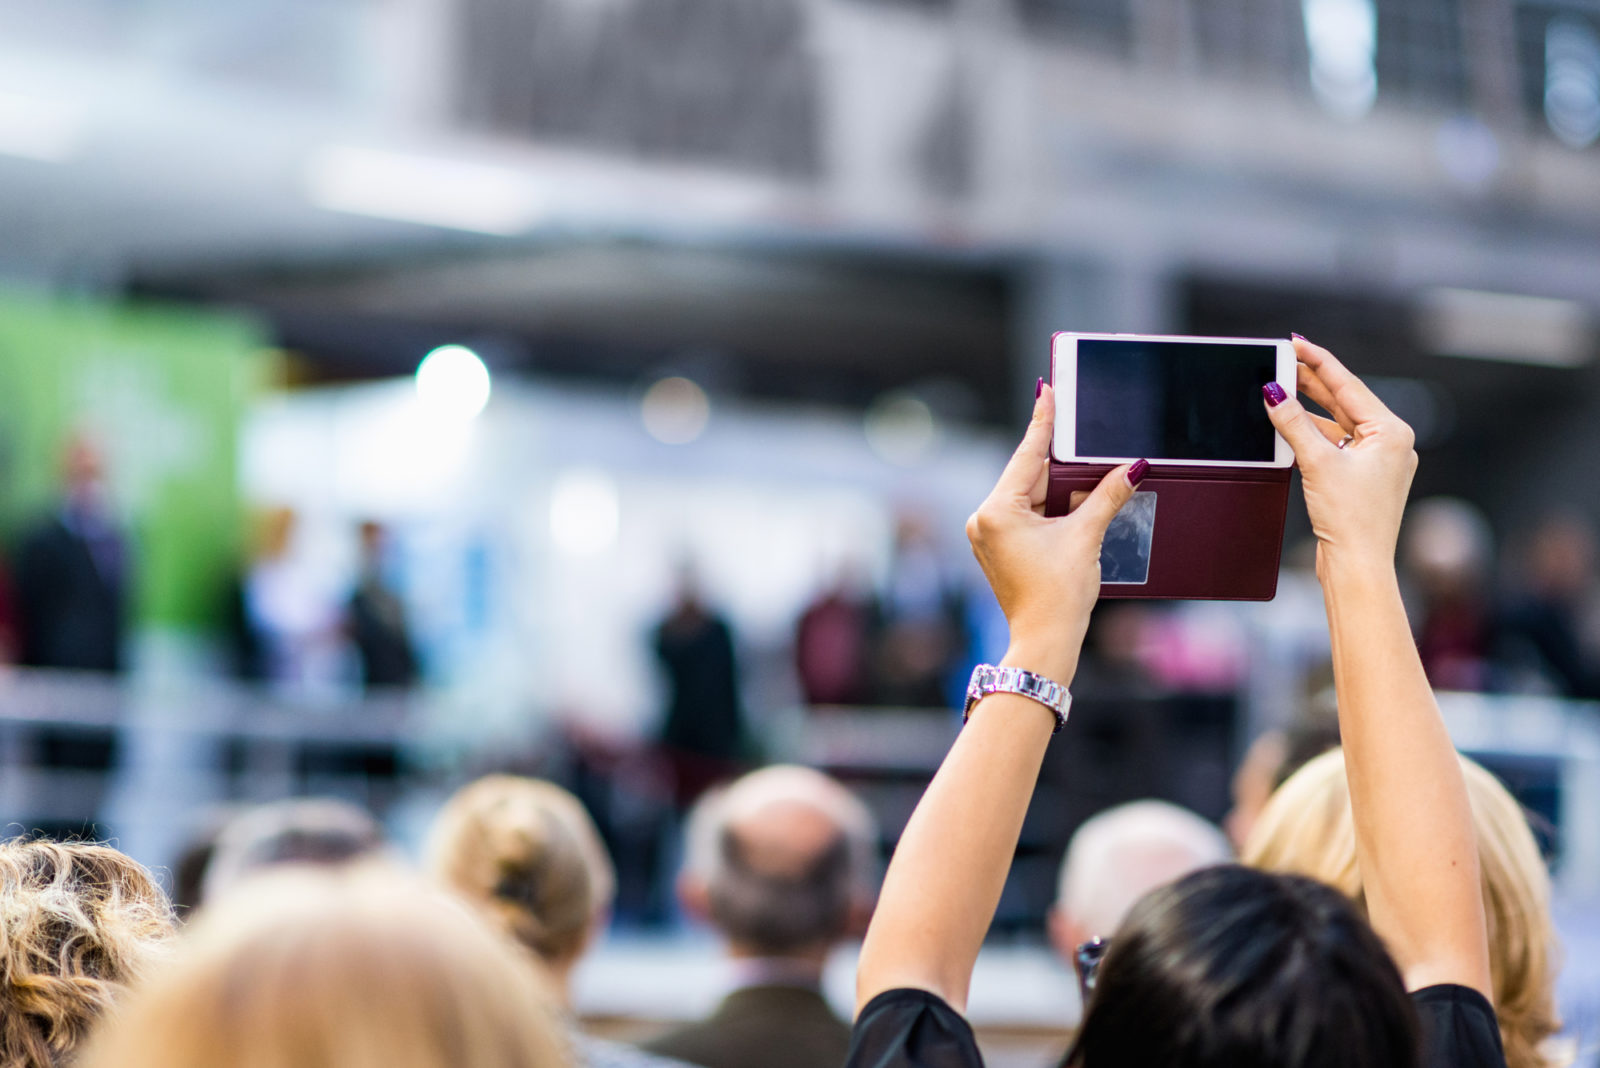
<point x="1104" y="24"/>
<point x="1258" y="40"/>
<point x="728" y="82"/>
<point x="1420" y="58"/>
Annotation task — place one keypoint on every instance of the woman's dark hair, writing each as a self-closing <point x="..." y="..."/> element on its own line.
<point x="1235" y="968"/>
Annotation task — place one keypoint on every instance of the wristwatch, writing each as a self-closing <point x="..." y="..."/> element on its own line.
<point x="988" y="679"/>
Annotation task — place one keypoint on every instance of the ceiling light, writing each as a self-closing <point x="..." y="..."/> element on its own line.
<point x="453" y="382"/>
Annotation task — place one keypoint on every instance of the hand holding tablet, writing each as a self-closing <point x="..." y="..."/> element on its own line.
<point x="1207" y="522"/>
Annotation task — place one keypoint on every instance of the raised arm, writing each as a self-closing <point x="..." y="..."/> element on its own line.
<point x="1415" y="842"/>
<point x="944" y="882"/>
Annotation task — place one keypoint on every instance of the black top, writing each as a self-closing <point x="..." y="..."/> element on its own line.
<point x="916" y="1029"/>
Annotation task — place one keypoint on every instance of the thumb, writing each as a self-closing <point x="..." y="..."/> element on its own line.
<point x="1293" y="422"/>
<point x="1115" y="490"/>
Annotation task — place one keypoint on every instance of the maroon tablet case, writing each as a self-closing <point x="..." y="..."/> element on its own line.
<point x="1218" y="531"/>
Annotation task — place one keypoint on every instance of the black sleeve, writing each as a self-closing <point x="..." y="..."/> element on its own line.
<point x="1458" y="1028"/>
<point x="912" y="1029"/>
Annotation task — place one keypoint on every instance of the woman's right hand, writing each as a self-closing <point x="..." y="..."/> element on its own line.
<point x="1355" y="468"/>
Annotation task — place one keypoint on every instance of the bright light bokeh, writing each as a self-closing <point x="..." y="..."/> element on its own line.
<point x="1342" y="36"/>
<point x="675" y="411"/>
<point x="1572" y="81"/>
<point x="453" y="382"/>
<point x="901" y="428"/>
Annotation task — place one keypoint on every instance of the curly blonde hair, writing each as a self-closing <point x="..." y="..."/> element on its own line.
<point x="1307" y="829"/>
<point x="78" y="923"/>
<point x="526" y="852"/>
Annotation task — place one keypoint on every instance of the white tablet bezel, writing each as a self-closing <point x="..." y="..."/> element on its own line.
<point x="1064" y="378"/>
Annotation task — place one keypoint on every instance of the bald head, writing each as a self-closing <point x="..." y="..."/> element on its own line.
<point x="781" y="860"/>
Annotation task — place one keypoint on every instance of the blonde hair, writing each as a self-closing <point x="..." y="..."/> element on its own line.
<point x="343" y="968"/>
<point x="80" y="923"/>
<point x="527" y="853"/>
<point x="1307" y="829"/>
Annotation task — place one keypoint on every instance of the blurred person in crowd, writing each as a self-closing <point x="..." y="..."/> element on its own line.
<point x="1308" y="829"/>
<point x="922" y="616"/>
<point x="73" y="578"/>
<point x="1548" y="629"/>
<point x="527" y="854"/>
<point x="320" y="831"/>
<point x="703" y="731"/>
<point x="376" y="620"/>
<point x="833" y="643"/>
<point x="1273" y="757"/>
<point x="783" y="864"/>
<point x="1229" y="966"/>
<point x="355" y="969"/>
<point x="1447" y="555"/>
<point x="81" y="924"/>
<point x="189" y="870"/>
<point x="10" y="623"/>
<point x="1120" y="855"/>
<point x="290" y="619"/>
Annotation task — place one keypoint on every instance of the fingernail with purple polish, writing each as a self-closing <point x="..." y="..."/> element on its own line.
<point x="1298" y="337"/>
<point x="1274" y="394"/>
<point x="1038" y="389"/>
<point x="1137" y="472"/>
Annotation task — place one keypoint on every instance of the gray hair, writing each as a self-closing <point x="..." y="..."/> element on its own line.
<point x="1123" y="853"/>
<point x="776" y="913"/>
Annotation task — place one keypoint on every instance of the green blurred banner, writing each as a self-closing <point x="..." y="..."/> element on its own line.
<point x="162" y="389"/>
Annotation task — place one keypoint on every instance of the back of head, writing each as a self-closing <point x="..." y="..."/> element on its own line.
<point x="1234" y="968"/>
<point x="1121" y="854"/>
<point x="81" y="923"/>
<point x="1307" y="828"/>
<point x="785" y="858"/>
<point x="528" y="853"/>
<point x="360" y="968"/>
<point x="295" y="831"/>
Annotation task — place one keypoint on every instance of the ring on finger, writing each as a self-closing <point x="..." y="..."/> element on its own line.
<point x="1348" y="438"/>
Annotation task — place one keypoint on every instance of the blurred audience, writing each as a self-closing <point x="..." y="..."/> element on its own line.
<point x="1549" y="637"/>
<point x="355" y="969"/>
<point x="10" y="621"/>
<point x="1120" y="855"/>
<point x="1307" y="829"/>
<point x="1447" y="556"/>
<point x="73" y="573"/>
<point x="527" y="854"/>
<point x="703" y="730"/>
<point x="922" y="623"/>
<point x="319" y="831"/>
<point x="291" y="627"/>
<point x="82" y="923"/>
<point x="376" y="620"/>
<point x="833" y="644"/>
<point x="783" y="864"/>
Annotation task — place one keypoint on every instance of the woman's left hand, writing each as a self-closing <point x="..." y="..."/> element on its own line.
<point x="1045" y="572"/>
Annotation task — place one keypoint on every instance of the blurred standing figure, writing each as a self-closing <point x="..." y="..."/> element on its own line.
<point x="704" y="729"/>
<point x="1547" y="634"/>
<point x="922" y="623"/>
<point x="72" y="574"/>
<point x="783" y="863"/>
<point x="1447" y="552"/>
<point x="833" y="644"/>
<point x="376" y="619"/>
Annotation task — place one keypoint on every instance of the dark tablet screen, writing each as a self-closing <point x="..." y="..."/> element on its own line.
<point x="1174" y="400"/>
